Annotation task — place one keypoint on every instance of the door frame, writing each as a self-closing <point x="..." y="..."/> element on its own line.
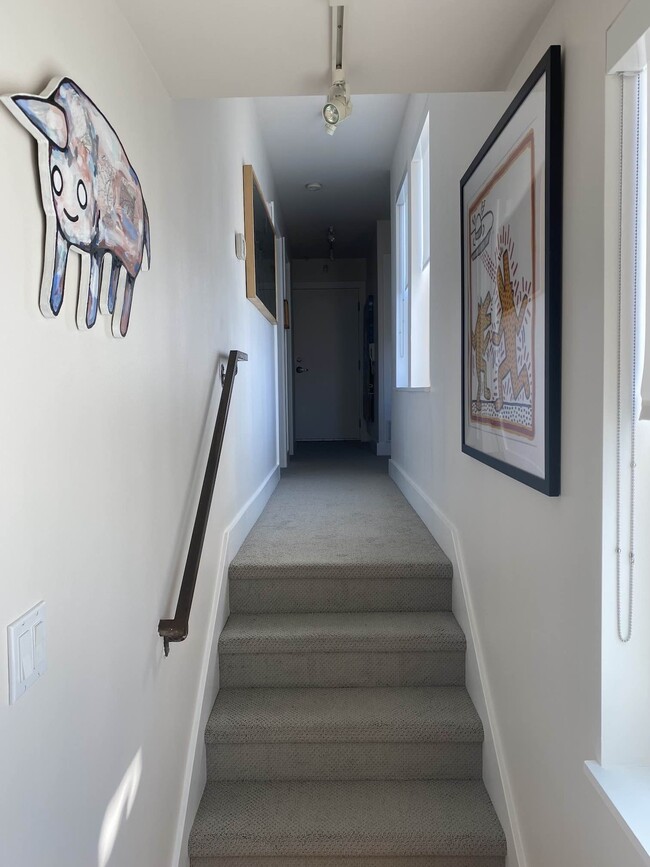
<point x="281" y="354"/>
<point x="288" y="359"/>
<point x="360" y="287"/>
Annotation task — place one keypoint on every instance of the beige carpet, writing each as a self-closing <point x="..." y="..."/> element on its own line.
<point x="343" y="735"/>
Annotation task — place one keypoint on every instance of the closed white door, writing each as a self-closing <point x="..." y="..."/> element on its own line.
<point x="326" y="364"/>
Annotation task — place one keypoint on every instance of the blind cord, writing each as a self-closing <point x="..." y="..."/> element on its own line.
<point x="625" y="633"/>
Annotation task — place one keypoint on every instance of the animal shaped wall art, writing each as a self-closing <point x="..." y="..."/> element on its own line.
<point x="92" y="200"/>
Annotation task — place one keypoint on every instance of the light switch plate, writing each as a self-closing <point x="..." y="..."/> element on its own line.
<point x="26" y="644"/>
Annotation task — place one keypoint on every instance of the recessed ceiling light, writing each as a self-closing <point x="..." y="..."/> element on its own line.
<point x="314" y="187"/>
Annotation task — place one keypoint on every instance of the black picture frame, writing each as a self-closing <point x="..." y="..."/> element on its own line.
<point x="515" y="428"/>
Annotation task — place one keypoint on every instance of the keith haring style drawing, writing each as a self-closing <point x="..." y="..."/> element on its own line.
<point x="511" y="279"/>
<point x="502" y="305"/>
<point x="482" y="337"/>
<point x="482" y="225"/>
<point x="92" y="200"/>
<point x="511" y="323"/>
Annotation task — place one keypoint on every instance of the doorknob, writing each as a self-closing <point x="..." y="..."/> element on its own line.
<point x="300" y="369"/>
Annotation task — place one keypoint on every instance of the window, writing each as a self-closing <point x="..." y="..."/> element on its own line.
<point x="621" y="772"/>
<point x="403" y="269"/>
<point x="626" y="436"/>
<point x="425" y="198"/>
<point x="412" y="219"/>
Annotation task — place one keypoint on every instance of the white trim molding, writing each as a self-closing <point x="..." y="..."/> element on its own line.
<point x="495" y="771"/>
<point x="626" y="792"/>
<point x="625" y="49"/>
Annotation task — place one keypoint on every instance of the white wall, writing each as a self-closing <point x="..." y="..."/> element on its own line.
<point x="532" y="565"/>
<point x="101" y="451"/>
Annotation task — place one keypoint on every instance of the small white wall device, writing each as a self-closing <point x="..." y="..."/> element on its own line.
<point x="26" y="645"/>
<point x="240" y="246"/>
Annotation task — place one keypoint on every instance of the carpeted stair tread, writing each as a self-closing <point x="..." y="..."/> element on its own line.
<point x="341" y="519"/>
<point x="343" y="861"/>
<point x="405" y="714"/>
<point x="358" y="818"/>
<point x="367" y="632"/>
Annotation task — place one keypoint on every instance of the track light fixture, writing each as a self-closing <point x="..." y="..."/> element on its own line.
<point x="338" y="105"/>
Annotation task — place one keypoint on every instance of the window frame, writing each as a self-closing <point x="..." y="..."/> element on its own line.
<point x="412" y="212"/>
<point x="402" y="295"/>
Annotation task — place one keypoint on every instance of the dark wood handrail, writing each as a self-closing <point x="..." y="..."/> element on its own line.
<point x="177" y="629"/>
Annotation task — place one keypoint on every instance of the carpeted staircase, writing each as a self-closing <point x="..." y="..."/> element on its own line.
<point x="342" y="735"/>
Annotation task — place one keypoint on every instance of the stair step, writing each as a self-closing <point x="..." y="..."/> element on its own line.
<point x="282" y="595"/>
<point x="346" y="820"/>
<point x="410" y="714"/>
<point x="381" y="632"/>
<point x="284" y="547"/>
<point x="422" y="561"/>
<point x="342" y="650"/>
<point x="432" y="861"/>
<point x="335" y="734"/>
<point x="345" y="761"/>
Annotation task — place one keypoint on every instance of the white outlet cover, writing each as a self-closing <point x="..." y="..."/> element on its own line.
<point x="26" y="645"/>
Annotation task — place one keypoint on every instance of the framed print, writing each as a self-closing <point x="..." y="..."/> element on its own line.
<point x="511" y="237"/>
<point x="259" y="233"/>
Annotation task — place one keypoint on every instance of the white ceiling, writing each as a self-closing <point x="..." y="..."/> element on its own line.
<point x="353" y="166"/>
<point x="208" y="48"/>
<point x="281" y="48"/>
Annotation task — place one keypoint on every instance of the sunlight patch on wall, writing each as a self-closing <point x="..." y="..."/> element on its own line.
<point x="119" y="808"/>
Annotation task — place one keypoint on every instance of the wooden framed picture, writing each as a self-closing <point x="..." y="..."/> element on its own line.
<point x="259" y="233"/>
<point x="511" y="237"/>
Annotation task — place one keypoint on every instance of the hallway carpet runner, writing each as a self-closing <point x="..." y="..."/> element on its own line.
<point x="342" y="735"/>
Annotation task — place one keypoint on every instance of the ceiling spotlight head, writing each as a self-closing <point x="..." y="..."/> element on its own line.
<point x="331" y="114"/>
<point x="337" y="107"/>
<point x="314" y="186"/>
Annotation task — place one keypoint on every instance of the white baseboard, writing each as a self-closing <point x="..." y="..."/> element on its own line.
<point x="495" y="772"/>
<point x="195" y="770"/>
<point x="383" y="450"/>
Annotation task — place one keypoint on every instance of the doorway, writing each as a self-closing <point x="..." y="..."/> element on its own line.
<point x="326" y="355"/>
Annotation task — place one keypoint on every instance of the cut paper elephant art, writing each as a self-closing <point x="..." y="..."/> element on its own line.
<point x="92" y="200"/>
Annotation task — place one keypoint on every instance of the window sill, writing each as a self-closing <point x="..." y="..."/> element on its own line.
<point x="411" y="388"/>
<point x="626" y="791"/>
